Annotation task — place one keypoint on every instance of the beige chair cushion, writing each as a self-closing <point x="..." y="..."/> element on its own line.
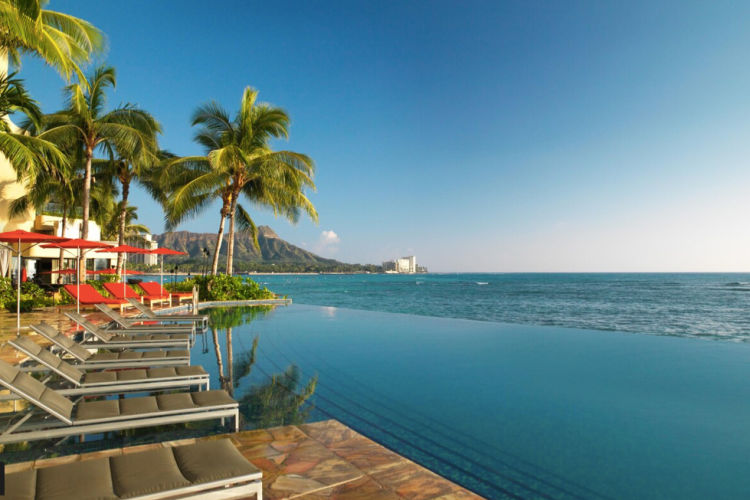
<point x="90" y="479"/>
<point x="216" y="397"/>
<point x="207" y="461"/>
<point x="145" y="472"/>
<point x="58" y="403"/>
<point x="20" y="485"/>
<point x="28" y="385"/>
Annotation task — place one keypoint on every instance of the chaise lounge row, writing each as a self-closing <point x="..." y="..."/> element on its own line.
<point x="154" y="293"/>
<point x="211" y="469"/>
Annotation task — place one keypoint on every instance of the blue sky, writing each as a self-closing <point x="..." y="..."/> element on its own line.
<point x="479" y="136"/>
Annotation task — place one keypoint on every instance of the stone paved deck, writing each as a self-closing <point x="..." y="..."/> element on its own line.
<point x="322" y="460"/>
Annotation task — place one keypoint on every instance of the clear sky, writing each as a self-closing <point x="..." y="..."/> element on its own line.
<point x="479" y="136"/>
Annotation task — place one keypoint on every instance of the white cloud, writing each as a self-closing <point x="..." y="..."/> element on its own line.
<point x="327" y="243"/>
<point x="329" y="237"/>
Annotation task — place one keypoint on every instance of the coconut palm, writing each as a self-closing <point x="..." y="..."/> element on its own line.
<point x="239" y="161"/>
<point x="85" y="124"/>
<point x="133" y="232"/>
<point x="62" y="41"/>
<point x="29" y="154"/>
<point x="127" y="168"/>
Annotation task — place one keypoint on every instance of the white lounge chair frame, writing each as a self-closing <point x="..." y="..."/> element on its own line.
<point x="107" y="339"/>
<point x="151" y="315"/>
<point x="202" y="381"/>
<point x="66" y="425"/>
<point x="131" y="326"/>
<point x="50" y="333"/>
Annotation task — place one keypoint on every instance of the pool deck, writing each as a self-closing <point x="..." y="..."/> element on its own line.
<point x="321" y="460"/>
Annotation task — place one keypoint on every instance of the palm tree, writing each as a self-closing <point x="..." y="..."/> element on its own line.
<point x="239" y="161"/>
<point x="28" y="154"/>
<point x="128" y="168"/>
<point x="84" y="123"/>
<point x="132" y="231"/>
<point x="62" y="41"/>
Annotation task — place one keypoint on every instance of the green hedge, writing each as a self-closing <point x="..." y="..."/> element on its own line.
<point x="32" y="296"/>
<point x="223" y="287"/>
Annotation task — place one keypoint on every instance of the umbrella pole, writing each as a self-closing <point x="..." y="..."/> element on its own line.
<point x="124" y="271"/>
<point x="18" y="298"/>
<point x="78" y="282"/>
<point x="161" y="272"/>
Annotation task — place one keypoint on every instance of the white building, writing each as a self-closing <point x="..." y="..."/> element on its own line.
<point x="405" y="265"/>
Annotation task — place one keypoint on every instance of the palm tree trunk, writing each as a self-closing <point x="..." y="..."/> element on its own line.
<point x="63" y="223"/>
<point x="217" y="350"/>
<point x="86" y="196"/>
<point x="230" y="237"/>
<point x="219" y="238"/>
<point x="230" y="365"/>
<point x="121" y="230"/>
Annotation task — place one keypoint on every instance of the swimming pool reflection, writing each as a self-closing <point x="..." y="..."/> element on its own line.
<point x="280" y="398"/>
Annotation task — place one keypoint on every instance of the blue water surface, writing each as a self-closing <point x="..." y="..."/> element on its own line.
<point x="713" y="305"/>
<point x="515" y="411"/>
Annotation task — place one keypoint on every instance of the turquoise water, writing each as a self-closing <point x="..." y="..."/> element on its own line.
<point x="510" y="411"/>
<point x="698" y="305"/>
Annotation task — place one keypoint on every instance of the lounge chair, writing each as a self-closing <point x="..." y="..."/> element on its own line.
<point x="133" y="326"/>
<point x="116" y="290"/>
<point x="148" y="313"/>
<point x="206" y="469"/>
<point x="118" y="339"/>
<point x="113" y="381"/>
<point x="90" y="296"/>
<point x="154" y="288"/>
<point x="124" y="359"/>
<point x="108" y="415"/>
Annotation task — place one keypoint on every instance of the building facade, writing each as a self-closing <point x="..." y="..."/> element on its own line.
<point x="404" y="265"/>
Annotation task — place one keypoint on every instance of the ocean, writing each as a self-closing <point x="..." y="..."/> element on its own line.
<point x="713" y="306"/>
<point x="512" y="385"/>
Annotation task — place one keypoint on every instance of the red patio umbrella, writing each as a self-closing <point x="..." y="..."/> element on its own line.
<point x="125" y="250"/>
<point x="20" y="236"/>
<point x="163" y="252"/>
<point x="79" y="245"/>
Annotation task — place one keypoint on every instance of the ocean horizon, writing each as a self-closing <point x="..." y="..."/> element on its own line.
<point x="700" y="305"/>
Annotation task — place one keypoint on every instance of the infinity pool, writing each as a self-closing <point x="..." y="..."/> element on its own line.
<point x="505" y="410"/>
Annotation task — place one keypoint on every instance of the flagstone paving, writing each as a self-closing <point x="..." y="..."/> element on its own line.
<point x="322" y="460"/>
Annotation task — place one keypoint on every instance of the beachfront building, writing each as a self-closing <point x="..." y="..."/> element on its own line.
<point x="404" y="265"/>
<point x="49" y="221"/>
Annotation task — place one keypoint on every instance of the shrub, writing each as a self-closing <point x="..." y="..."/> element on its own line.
<point x="224" y="287"/>
<point x="32" y="295"/>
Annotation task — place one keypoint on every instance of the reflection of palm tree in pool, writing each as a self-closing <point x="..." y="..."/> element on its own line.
<point x="278" y="401"/>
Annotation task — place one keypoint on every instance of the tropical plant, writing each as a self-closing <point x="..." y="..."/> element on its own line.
<point x="29" y="154"/>
<point x="225" y="287"/>
<point x="132" y="231"/>
<point x="240" y="161"/>
<point x="62" y="41"/>
<point x="127" y="169"/>
<point x="85" y="124"/>
<point x="279" y="401"/>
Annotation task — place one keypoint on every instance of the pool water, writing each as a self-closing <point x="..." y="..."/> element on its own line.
<point x="509" y="411"/>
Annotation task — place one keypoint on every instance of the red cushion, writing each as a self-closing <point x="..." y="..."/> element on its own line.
<point x="89" y="295"/>
<point x="116" y="290"/>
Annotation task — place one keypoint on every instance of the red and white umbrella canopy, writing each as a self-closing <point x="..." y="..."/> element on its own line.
<point x="78" y="244"/>
<point x="20" y="236"/>
<point x="164" y="251"/>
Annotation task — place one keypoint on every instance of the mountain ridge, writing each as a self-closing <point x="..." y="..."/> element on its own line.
<point x="272" y="249"/>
